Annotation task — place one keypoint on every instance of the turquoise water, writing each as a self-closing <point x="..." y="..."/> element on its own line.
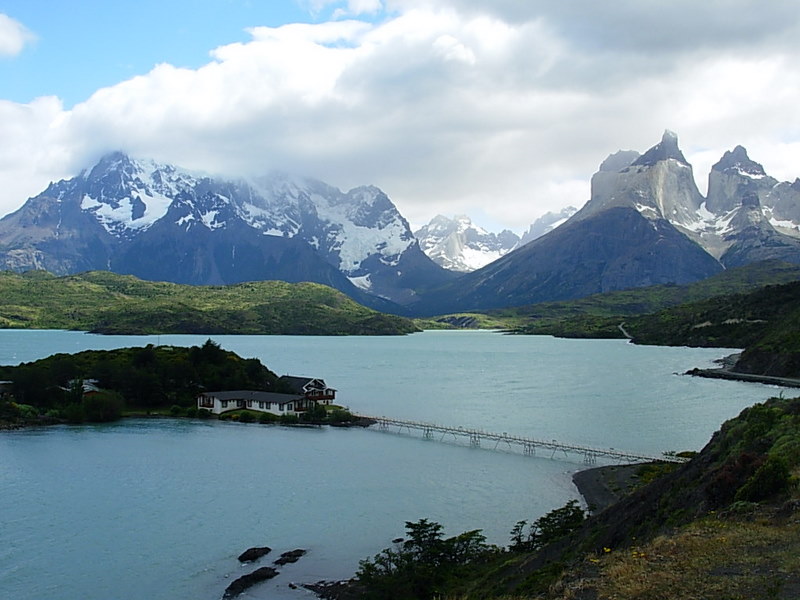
<point x="159" y="509"/>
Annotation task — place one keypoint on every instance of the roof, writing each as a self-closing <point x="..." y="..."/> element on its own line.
<point x="253" y="395"/>
<point x="298" y="384"/>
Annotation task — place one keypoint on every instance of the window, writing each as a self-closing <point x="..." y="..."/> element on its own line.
<point x="261" y="405"/>
<point x="224" y="403"/>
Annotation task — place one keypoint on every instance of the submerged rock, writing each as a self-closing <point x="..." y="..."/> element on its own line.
<point x="247" y="581"/>
<point x="290" y="557"/>
<point x="254" y="553"/>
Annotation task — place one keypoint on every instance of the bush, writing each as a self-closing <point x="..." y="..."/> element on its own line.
<point x="176" y="411"/>
<point x="192" y="412"/>
<point x="266" y="418"/>
<point x="203" y="413"/>
<point x="247" y="417"/>
<point x="289" y="419"/>
<point x="770" y="479"/>
<point x="102" y="407"/>
<point x="339" y="415"/>
<point x="9" y="411"/>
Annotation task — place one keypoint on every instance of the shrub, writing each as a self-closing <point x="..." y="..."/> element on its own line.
<point x="176" y="411"/>
<point x="265" y="418"/>
<point x="770" y="479"/>
<point x="203" y="413"/>
<point x="102" y="407"/>
<point x="339" y="415"/>
<point x="192" y="412"/>
<point x="289" y="419"/>
<point x="247" y="417"/>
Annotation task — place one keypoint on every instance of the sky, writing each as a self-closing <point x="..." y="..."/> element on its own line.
<point x="499" y="110"/>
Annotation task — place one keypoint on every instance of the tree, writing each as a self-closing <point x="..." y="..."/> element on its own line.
<point x="425" y="565"/>
<point x="547" y="528"/>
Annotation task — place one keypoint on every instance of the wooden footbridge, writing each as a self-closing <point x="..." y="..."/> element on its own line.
<point x="503" y="441"/>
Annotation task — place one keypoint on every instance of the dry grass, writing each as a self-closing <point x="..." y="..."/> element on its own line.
<point x="709" y="559"/>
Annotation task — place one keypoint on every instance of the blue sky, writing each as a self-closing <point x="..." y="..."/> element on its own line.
<point x="500" y="110"/>
<point x="85" y="45"/>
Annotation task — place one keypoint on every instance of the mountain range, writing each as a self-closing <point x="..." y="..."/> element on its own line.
<point x="157" y="222"/>
<point x="645" y="223"/>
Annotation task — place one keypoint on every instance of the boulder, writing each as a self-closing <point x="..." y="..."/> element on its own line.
<point x="247" y="581"/>
<point x="290" y="557"/>
<point x="254" y="553"/>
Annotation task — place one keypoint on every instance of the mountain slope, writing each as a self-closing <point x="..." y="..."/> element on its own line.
<point x="154" y="220"/>
<point x="616" y="249"/>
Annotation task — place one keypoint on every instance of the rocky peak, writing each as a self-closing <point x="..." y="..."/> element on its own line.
<point x="731" y="177"/>
<point x="666" y="149"/>
<point x="549" y="221"/>
<point x="619" y="160"/>
<point x="459" y="245"/>
<point x="738" y="161"/>
<point x="658" y="184"/>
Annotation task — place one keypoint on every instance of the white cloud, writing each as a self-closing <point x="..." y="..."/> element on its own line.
<point x="502" y="112"/>
<point x="13" y="36"/>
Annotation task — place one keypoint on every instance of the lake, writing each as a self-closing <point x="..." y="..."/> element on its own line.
<point x="160" y="508"/>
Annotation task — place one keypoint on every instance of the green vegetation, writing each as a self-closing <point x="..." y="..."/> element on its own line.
<point x="423" y="566"/>
<point x="162" y="379"/>
<point x="104" y="385"/>
<point x="724" y="525"/>
<point x="104" y="302"/>
<point x="600" y="315"/>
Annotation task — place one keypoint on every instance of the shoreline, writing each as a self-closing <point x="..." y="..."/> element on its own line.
<point x="723" y="373"/>
<point x="600" y="487"/>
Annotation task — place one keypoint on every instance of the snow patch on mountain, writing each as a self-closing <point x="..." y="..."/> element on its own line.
<point x="458" y="244"/>
<point x="547" y="222"/>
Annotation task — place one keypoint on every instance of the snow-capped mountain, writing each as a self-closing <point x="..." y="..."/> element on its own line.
<point x="546" y="223"/>
<point x="646" y="223"/>
<point x="159" y="222"/>
<point x="458" y="244"/>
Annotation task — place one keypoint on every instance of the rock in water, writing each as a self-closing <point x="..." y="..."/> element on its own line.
<point x="247" y="581"/>
<point x="290" y="557"/>
<point x="255" y="553"/>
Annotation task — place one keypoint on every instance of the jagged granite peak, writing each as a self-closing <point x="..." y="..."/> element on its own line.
<point x="619" y="160"/>
<point x="459" y="245"/>
<point x="732" y="176"/>
<point x="666" y="149"/>
<point x="547" y="222"/>
<point x="750" y="237"/>
<point x="738" y="160"/>
<point x="659" y="184"/>
<point x="98" y="218"/>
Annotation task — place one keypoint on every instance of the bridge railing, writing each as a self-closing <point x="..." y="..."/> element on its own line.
<point x="528" y="446"/>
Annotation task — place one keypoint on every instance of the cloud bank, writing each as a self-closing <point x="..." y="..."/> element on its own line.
<point x="502" y="112"/>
